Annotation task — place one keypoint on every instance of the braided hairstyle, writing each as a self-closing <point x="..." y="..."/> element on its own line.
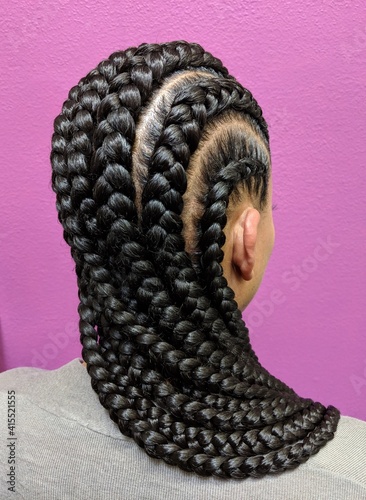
<point x="146" y="167"/>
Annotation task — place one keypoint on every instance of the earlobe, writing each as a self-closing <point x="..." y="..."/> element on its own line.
<point x="245" y="239"/>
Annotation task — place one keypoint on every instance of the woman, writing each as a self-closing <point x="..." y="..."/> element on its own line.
<point x="161" y="166"/>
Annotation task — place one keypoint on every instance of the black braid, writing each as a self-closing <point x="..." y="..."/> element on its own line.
<point x="163" y="339"/>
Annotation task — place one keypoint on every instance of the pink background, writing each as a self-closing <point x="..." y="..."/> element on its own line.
<point x="305" y="64"/>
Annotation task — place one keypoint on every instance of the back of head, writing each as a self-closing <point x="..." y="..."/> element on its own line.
<point x="150" y="153"/>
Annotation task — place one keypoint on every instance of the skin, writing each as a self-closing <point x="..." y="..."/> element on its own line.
<point x="249" y="242"/>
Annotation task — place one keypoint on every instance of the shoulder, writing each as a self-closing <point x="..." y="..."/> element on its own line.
<point x="18" y="375"/>
<point x="345" y="454"/>
<point x="59" y="391"/>
<point x="27" y="380"/>
<point x="58" y="410"/>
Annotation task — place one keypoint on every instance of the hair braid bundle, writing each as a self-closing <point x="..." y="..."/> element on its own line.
<point x="164" y="342"/>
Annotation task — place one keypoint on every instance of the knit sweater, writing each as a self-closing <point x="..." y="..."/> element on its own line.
<point x="65" y="446"/>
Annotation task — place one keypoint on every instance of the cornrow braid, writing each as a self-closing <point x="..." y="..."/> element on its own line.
<point x="165" y="345"/>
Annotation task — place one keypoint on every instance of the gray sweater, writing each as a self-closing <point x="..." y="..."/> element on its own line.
<point x="65" y="446"/>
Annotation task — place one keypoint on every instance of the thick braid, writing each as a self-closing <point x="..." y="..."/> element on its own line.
<point x="171" y="363"/>
<point x="189" y="132"/>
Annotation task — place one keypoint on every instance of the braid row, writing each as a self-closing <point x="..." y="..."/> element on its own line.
<point x="162" y="200"/>
<point x="165" y="345"/>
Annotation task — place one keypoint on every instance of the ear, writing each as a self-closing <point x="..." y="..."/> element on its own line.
<point x="245" y="239"/>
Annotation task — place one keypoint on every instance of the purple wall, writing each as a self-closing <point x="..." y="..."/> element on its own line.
<point x="305" y="65"/>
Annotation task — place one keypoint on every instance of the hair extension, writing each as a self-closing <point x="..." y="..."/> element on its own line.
<point x="165" y="345"/>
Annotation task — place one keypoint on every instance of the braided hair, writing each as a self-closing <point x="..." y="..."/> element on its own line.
<point x="146" y="166"/>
